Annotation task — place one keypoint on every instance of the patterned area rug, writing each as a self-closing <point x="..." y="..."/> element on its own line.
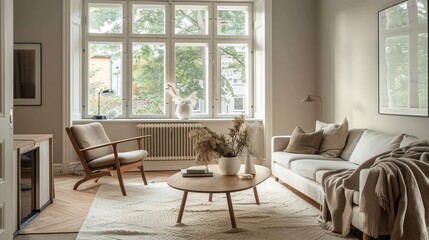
<point x="150" y="212"/>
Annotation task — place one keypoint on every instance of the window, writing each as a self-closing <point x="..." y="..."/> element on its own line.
<point x="105" y="18"/>
<point x="239" y="104"/>
<point x="136" y="47"/>
<point x="148" y="19"/>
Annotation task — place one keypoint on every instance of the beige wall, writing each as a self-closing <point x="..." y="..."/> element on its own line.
<point x="348" y="66"/>
<point x="294" y="64"/>
<point x="41" y="22"/>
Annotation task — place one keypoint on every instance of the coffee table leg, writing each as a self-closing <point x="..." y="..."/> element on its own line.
<point x="231" y="210"/>
<point x="255" y="192"/>
<point x="182" y="206"/>
<point x="210" y="197"/>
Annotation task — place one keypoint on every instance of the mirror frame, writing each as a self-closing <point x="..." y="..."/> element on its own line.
<point x="28" y="73"/>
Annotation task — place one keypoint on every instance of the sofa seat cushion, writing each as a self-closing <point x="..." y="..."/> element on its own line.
<point x="124" y="157"/>
<point x="373" y="143"/>
<point x="309" y="168"/>
<point x="285" y="158"/>
<point x="319" y="175"/>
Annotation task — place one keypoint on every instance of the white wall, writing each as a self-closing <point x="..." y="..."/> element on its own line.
<point x="294" y="65"/>
<point x="348" y="67"/>
<point x="41" y="22"/>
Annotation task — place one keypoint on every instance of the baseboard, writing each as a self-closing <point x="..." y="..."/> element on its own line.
<point x="58" y="169"/>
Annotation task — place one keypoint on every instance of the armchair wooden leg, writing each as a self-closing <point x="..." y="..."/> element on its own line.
<point x="366" y="237"/>
<point x="143" y="175"/>
<point x="97" y="175"/>
<point x="121" y="182"/>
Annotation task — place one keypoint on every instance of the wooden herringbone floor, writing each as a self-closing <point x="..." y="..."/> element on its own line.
<point x="70" y="208"/>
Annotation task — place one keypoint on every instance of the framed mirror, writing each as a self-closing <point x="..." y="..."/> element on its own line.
<point x="403" y="59"/>
<point x="27" y="74"/>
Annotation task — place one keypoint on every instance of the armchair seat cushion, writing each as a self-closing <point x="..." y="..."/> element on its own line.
<point x="124" y="157"/>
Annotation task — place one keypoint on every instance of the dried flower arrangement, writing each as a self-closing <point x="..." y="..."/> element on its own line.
<point x="210" y="145"/>
<point x="174" y="93"/>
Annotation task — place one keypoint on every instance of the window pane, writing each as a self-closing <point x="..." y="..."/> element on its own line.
<point x="233" y="72"/>
<point x="422" y="11"/>
<point x="191" y="20"/>
<point x="105" y="18"/>
<point x="148" y="19"/>
<point x="192" y="72"/>
<point x="239" y="104"/>
<point x="398" y="73"/>
<point x="105" y="72"/>
<point x="232" y="20"/>
<point x="422" y="71"/>
<point x="148" y="79"/>
<point x="397" y="16"/>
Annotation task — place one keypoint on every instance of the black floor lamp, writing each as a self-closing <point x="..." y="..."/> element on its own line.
<point x="104" y="93"/>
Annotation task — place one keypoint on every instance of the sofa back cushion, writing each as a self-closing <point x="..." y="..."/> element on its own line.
<point x="307" y="143"/>
<point x="334" y="137"/>
<point x="407" y="140"/>
<point x="373" y="143"/>
<point x="353" y="138"/>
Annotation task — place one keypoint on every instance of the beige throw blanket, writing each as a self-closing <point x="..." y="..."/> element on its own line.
<point x="398" y="181"/>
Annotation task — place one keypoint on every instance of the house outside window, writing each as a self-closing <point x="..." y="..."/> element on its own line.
<point x="136" y="47"/>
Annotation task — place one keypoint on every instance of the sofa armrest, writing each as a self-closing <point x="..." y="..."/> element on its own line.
<point x="363" y="177"/>
<point x="279" y="143"/>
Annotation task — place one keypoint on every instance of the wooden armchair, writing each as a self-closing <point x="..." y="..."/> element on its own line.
<point x="98" y="155"/>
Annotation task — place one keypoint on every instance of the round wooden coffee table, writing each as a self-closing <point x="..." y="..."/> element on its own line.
<point x="217" y="184"/>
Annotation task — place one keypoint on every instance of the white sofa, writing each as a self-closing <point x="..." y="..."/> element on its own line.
<point x="304" y="171"/>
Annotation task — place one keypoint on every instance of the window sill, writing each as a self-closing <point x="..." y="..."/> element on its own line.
<point x="199" y="120"/>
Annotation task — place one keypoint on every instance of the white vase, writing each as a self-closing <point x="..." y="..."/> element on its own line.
<point x="184" y="110"/>
<point x="249" y="166"/>
<point x="229" y="165"/>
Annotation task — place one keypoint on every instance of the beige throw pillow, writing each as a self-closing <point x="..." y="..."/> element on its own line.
<point x="334" y="137"/>
<point x="306" y="143"/>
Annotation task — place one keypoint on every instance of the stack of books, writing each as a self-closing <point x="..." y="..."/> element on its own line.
<point x="197" y="171"/>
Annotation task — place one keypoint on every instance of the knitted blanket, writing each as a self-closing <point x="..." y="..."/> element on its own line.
<point x="398" y="183"/>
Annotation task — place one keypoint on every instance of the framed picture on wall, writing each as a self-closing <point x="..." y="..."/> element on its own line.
<point x="403" y="59"/>
<point x="27" y="72"/>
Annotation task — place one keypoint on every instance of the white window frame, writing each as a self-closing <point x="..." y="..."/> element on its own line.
<point x="249" y="103"/>
<point x="130" y="74"/>
<point x="86" y="69"/>
<point x="249" y="26"/>
<point x="170" y="39"/>
<point x="141" y="35"/>
<point x="196" y="114"/>
<point x="86" y="19"/>
<point x="210" y="20"/>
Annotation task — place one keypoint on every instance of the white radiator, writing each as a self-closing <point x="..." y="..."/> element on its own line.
<point x="169" y="141"/>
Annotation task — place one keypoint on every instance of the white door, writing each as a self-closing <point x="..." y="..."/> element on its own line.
<point x="7" y="206"/>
